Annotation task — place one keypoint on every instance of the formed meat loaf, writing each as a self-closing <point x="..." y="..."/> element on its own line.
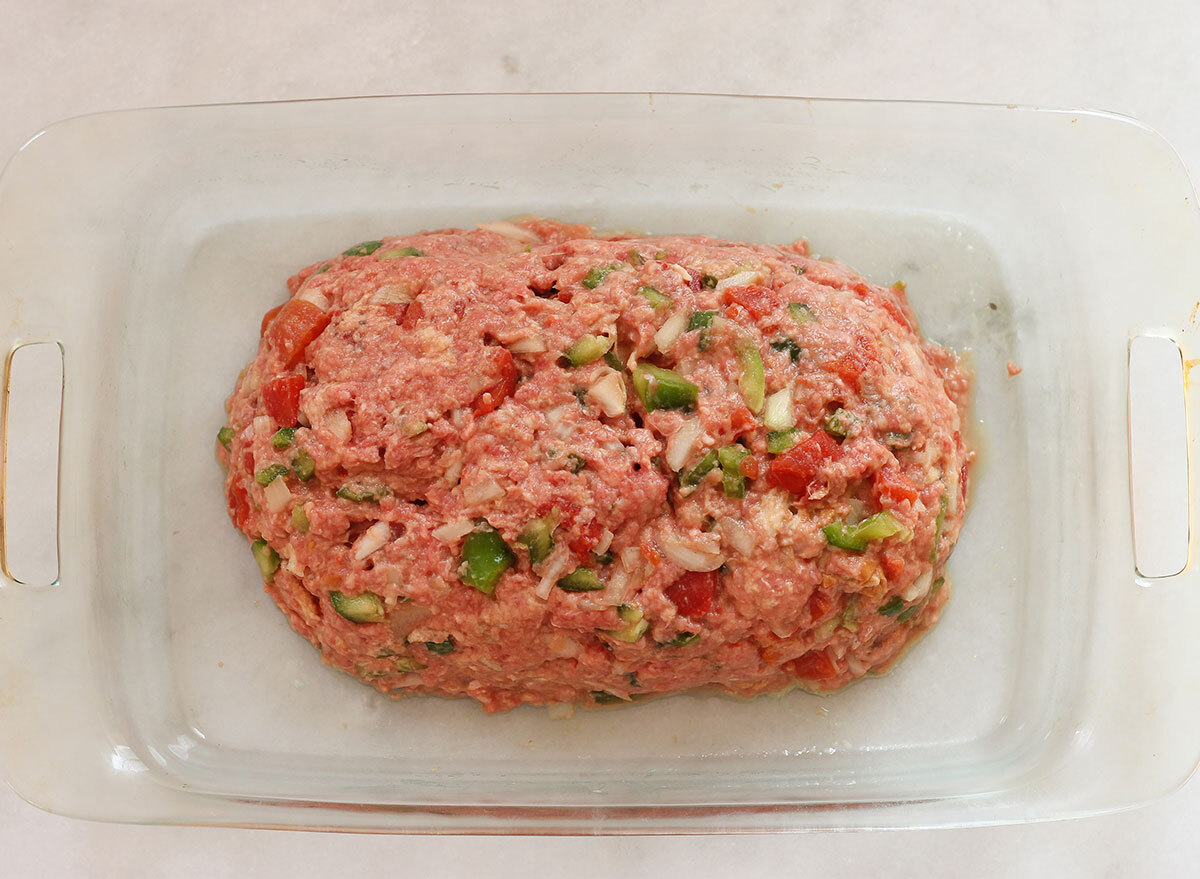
<point x="528" y="465"/>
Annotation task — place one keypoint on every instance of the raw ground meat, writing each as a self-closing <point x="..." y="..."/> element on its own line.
<point x="528" y="465"/>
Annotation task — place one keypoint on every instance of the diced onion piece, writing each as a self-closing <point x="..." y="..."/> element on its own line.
<point x="392" y="294"/>
<point x="263" y="425"/>
<point x="482" y="492"/>
<point x="512" y="231"/>
<point x="740" y="279"/>
<point x="338" y="423"/>
<point x="778" y="414"/>
<point x="680" y="271"/>
<point x="316" y="297"/>
<point x="609" y="394"/>
<point x="556" y="566"/>
<point x="292" y="564"/>
<point x="681" y="443"/>
<point x="737" y="534"/>
<point x="614" y="591"/>
<point x="277" y="494"/>
<point x="671" y="330"/>
<point x="631" y="558"/>
<point x="691" y="555"/>
<point x="604" y="542"/>
<point x="452" y="531"/>
<point x="560" y="710"/>
<point x="919" y="588"/>
<point x="372" y="539"/>
<point x="528" y="345"/>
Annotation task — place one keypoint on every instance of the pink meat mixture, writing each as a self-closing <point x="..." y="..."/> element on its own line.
<point x="412" y="400"/>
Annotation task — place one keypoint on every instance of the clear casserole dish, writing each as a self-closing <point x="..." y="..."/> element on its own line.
<point x="155" y="682"/>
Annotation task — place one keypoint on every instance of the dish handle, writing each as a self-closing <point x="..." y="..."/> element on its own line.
<point x="30" y="438"/>
<point x="1159" y="481"/>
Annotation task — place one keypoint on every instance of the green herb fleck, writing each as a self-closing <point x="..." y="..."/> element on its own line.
<point x="485" y="557"/>
<point x="399" y="252"/>
<point x="225" y="436"/>
<point x="366" y="607"/>
<point x="362" y="493"/>
<point x="299" y="519"/>
<point x="266" y="558"/>
<point x="779" y="441"/>
<point x="839" y="424"/>
<point x="283" y="437"/>
<point x="587" y="349"/>
<point x="596" y="275"/>
<point x="364" y="248"/>
<point x="580" y="580"/>
<point x="655" y="297"/>
<point x="854" y="538"/>
<point x="661" y="388"/>
<point x="801" y="313"/>
<point x="267" y="475"/>
<point x="698" y="472"/>
<point x="303" y="465"/>
<point x="732" y="479"/>
<point x="787" y="346"/>
<point x="538" y="538"/>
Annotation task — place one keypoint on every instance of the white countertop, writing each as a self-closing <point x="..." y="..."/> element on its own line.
<point x="60" y="58"/>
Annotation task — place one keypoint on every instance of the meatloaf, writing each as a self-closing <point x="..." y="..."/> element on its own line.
<point x="527" y="464"/>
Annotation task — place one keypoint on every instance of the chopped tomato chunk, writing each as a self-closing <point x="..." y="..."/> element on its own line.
<point x="239" y="505"/>
<point x="281" y="397"/>
<point x="755" y="299"/>
<point x="849" y="367"/>
<point x="298" y="323"/>
<point x="692" y="594"/>
<point x="816" y="665"/>
<point x="799" y="465"/>
<point x="819" y="604"/>
<point x="503" y="387"/>
<point x="892" y="564"/>
<point x="587" y="536"/>
<point x="741" y="420"/>
<point x="891" y="488"/>
<point x="267" y="318"/>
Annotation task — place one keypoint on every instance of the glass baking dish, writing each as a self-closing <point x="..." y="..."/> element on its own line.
<point x="155" y="682"/>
